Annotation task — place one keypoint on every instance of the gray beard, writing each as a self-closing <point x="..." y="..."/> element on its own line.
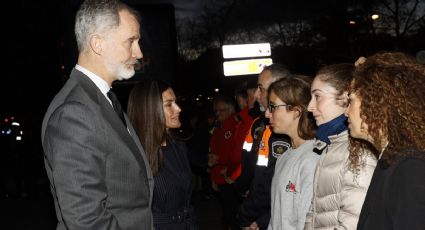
<point x="120" y="73"/>
<point x="125" y="74"/>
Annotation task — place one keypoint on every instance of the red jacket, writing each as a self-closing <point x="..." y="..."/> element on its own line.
<point x="226" y="142"/>
<point x="242" y="131"/>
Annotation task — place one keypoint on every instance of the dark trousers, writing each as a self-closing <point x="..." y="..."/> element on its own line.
<point x="229" y="204"/>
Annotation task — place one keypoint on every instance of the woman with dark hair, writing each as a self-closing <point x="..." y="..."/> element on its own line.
<point x="342" y="177"/>
<point x="292" y="184"/>
<point x="152" y="109"/>
<point x="387" y="104"/>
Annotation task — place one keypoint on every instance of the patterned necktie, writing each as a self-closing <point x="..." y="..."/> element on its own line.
<point x="116" y="104"/>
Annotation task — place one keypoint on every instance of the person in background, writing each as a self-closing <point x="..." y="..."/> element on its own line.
<point x="292" y="184"/>
<point x="243" y="102"/>
<point x="243" y="127"/>
<point x="241" y="96"/>
<point x="245" y="97"/>
<point x="253" y="105"/>
<point x="387" y="104"/>
<point x="198" y="145"/>
<point x="341" y="178"/>
<point x="261" y="149"/>
<point x="155" y="101"/>
<point x="99" y="175"/>
<point x="225" y="158"/>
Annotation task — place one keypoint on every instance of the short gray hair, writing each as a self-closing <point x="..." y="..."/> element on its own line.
<point x="278" y="71"/>
<point x="98" y="16"/>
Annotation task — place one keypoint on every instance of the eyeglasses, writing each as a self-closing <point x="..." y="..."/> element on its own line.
<point x="273" y="107"/>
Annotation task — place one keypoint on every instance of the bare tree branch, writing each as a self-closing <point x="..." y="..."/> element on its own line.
<point x="406" y="25"/>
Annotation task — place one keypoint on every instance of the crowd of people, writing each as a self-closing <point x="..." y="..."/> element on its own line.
<point x="344" y="149"/>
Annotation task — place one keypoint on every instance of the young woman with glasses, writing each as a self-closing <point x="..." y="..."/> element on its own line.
<point x="292" y="184"/>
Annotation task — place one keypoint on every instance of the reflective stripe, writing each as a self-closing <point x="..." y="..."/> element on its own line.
<point x="262" y="160"/>
<point x="263" y="150"/>
<point x="247" y="146"/>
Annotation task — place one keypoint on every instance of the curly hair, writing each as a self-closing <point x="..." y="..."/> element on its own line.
<point x="391" y="86"/>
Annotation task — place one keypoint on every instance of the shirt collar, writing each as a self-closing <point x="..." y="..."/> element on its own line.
<point x="98" y="81"/>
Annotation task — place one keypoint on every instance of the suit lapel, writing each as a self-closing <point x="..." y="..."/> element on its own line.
<point x="137" y="142"/>
<point x="142" y="154"/>
<point x="110" y="115"/>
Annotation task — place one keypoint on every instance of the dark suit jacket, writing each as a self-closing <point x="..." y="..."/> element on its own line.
<point x="396" y="196"/>
<point x="98" y="173"/>
<point x="171" y="205"/>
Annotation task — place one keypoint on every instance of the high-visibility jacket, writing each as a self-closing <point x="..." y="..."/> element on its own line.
<point x="256" y="207"/>
<point x="263" y="150"/>
<point x="249" y="156"/>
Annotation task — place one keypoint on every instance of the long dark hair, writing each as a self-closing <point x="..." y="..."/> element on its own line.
<point x="146" y="113"/>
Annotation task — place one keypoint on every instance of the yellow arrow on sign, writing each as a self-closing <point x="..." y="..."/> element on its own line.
<point x="245" y="67"/>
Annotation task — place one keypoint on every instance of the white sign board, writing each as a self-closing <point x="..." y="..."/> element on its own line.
<point x="244" y="67"/>
<point x="246" y="50"/>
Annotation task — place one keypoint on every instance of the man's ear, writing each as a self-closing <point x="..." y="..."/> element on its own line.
<point x="96" y="43"/>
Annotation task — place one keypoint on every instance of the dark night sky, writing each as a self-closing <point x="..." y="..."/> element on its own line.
<point x="31" y="31"/>
<point x="38" y="36"/>
<point x="37" y="40"/>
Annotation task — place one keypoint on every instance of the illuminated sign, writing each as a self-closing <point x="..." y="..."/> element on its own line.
<point x="245" y="67"/>
<point x="246" y="50"/>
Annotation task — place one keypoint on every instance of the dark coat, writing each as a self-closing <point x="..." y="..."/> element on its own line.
<point x="171" y="206"/>
<point x="99" y="175"/>
<point x="396" y="196"/>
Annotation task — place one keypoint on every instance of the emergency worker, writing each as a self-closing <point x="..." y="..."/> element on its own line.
<point x="225" y="156"/>
<point x="261" y="150"/>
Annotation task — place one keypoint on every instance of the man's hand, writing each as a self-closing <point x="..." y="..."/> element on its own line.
<point x="253" y="226"/>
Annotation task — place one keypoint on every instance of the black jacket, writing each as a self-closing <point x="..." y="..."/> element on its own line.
<point x="396" y="196"/>
<point x="249" y="158"/>
<point x="256" y="207"/>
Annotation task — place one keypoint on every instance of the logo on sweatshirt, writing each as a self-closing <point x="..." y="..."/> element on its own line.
<point x="227" y="134"/>
<point x="290" y="187"/>
<point x="279" y="148"/>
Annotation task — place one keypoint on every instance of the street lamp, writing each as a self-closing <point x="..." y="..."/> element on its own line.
<point x="374" y="16"/>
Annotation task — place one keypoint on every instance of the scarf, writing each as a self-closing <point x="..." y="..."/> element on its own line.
<point x="333" y="127"/>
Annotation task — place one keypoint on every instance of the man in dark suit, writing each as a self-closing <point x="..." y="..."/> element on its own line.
<point x="99" y="176"/>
